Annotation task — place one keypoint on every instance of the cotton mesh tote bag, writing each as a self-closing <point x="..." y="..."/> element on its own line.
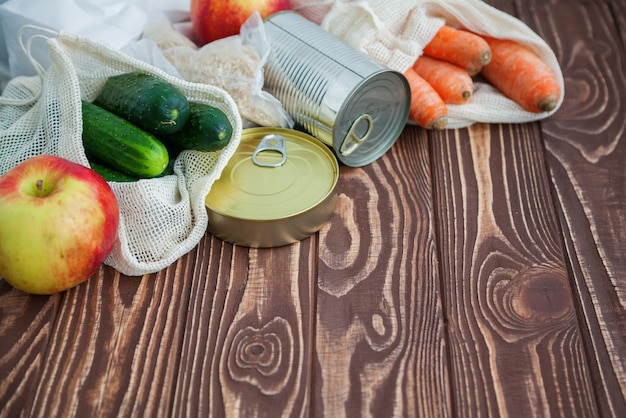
<point x="395" y="32"/>
<point x="162" y="218"/>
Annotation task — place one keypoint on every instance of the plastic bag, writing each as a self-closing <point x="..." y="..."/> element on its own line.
<point x="234" y="64"/>
<point x="161" y="218"/>
<point x="394" y="33"/>
<point x="114" y="22"/>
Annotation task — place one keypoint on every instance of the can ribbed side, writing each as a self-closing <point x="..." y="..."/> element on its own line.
<point x="326" y="86"/>
<point x="301" y="83"/>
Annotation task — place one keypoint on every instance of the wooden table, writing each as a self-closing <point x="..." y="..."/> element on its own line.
<point x="473" y="272"/>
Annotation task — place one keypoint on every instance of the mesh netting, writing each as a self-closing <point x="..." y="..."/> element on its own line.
<point x="394" y="33"/>
<point x="161" y="218"/>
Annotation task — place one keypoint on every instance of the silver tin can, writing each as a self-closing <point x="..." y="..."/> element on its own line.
<point x="337" y="94"/>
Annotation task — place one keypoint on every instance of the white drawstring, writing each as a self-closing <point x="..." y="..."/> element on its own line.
<point x="26" y="47"/>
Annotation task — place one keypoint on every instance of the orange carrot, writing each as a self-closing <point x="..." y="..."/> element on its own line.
<point x="457" y="46"/>
<point x="522" y="76"/>
<point x="452" y="82"/>
<point x="427" y="108"/>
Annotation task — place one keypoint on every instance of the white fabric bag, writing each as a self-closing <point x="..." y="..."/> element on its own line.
<point x="394" y="33"/>
<point x="161" y="218"/>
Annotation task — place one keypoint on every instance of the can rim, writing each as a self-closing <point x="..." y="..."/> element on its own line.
<point x="401" y="116"/>
<point x="330" y="187"/>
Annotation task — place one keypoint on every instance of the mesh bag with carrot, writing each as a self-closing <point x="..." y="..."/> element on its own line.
<point x="465" y="60"/>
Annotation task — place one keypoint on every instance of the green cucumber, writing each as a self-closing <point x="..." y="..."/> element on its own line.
<point x="113" y="141"/>
<point x="110" y="174"/>
<point x="169" y="170"/>
<point x="149" y="102"/>
<point x="208" y="129"/>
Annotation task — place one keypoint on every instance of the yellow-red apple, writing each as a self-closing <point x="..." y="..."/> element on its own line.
<point x="216" y="19"/>
<point x="58" y="223"/>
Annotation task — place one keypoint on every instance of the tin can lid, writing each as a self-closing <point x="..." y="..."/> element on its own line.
<point x="276" y="177"/>
<point x="372" y="118"/>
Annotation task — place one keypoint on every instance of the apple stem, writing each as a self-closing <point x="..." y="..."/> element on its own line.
<point x="40" y="187"/>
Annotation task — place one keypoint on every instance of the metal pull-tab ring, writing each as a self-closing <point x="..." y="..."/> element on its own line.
<point x="271" y="143"/>
<point x="352" y="139"/>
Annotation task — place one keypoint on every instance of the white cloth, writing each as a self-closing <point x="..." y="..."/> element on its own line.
<point x="113" y="22"/>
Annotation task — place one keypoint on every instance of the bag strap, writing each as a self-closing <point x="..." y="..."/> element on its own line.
<point x="26" y="46"/>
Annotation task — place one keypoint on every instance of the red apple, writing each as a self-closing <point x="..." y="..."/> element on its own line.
<point x="58" y="222"/>
<point x="216" y="19"/>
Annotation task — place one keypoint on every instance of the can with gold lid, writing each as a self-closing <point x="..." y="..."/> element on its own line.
<point x="334" y="92"/>
<point x="277" y="189"/>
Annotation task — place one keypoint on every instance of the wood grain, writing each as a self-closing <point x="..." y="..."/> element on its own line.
<point x="466" y="273"/>
<point x="116" y="337"/>
<point x="379" y="339"/>
<point x="248" y="341"/>
<point x="508" y="303"/>
<point x="25" y="331"/>
<point x="585" y="146"/>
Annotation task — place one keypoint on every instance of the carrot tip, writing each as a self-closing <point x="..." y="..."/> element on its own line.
<point x="486" y="57"/>
<point x="472" y="71"/>
<point x="440" y="123"/>
<point x="548" y="103"/>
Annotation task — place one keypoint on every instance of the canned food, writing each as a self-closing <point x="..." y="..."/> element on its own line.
<point x="337" y="94"/>
<point x="277" y="189"/>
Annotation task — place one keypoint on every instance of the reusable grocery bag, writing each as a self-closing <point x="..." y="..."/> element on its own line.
<point x="395" y="32"/>
<point x="161" y="219"/>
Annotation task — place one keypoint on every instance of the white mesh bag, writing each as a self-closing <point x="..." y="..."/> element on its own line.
<point x="394" y="33"/>
<point x="162" y="218"/>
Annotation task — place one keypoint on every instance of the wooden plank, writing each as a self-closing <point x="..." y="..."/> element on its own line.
<point x="26" y="324"/>
<point x="586" y="151"/>
<point x="514" y="343"/>
<point x="618" y="9"/>
<point x="115" y="337"/>
<point x="380" y="345"/>
<point x="111" y="340"/>
<point x="248" y="340"/>
<point x="511" y="313"/>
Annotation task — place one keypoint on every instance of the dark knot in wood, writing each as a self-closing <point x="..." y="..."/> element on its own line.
<point x="528" y="302"/>
<point x="263" y="357"/>
<point x="540" y="295"/>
